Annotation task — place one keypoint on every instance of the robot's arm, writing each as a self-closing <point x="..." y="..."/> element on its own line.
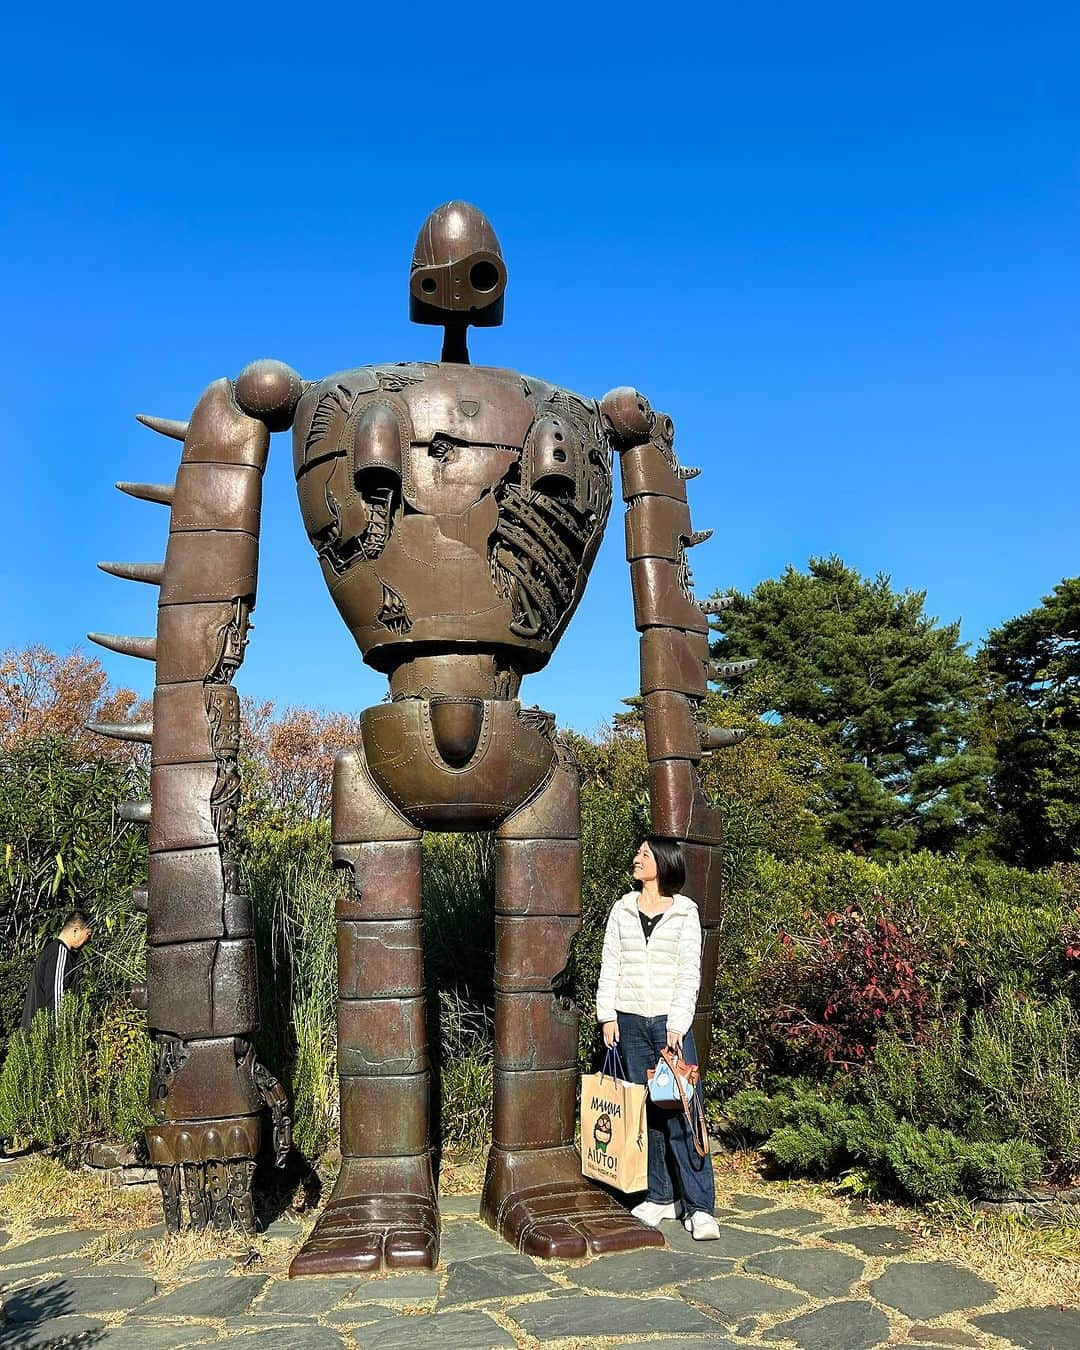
<point x="675" y="665"/>
<point x="201" y="995"/>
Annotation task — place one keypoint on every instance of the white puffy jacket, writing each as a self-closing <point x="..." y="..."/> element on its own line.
<point x="656" y="978"/>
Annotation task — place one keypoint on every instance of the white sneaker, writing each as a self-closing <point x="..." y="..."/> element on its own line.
<point x="702" y="1227"/>
<point x="653" y="1213"/>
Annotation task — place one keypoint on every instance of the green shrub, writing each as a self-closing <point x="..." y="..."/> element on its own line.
<point x="62" y="844"/>
<point x="925" y="1084"/>
<point x="70" y="1079"/>
<point x="812" y="1133"/>
<point x="23" y="1107"/>
<point x="981" y="1107"/>
<point x="1001" y="1169"/>
<point x="754" y="1114"/>
<point x="933" y="1164"/>
<point x="925" y="1164"/>
<point x="996" y="929"/>
<point x="123" y="1062"/>
<point x="1013" y="1073"/>
<point x="807" y="1150"/>
<point x="1024" y="1063"/>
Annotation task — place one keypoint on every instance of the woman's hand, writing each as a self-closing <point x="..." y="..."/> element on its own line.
<point x="611" y="1034"/>
<point x="674" y="1042"/>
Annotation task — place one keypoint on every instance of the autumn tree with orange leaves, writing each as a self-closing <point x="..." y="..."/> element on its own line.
<point x="289" y="757"/>
<point x="46" y="695"/>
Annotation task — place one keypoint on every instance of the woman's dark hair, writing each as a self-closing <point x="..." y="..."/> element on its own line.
<point x="670" y="864"/>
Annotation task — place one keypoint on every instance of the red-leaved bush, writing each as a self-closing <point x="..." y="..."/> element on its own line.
<point x="1072" y="940"/>
<point x="849" y="977"/>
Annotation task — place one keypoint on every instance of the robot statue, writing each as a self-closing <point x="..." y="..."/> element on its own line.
<point x="456" y="511"/>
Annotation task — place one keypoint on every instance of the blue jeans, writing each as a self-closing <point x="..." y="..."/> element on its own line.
<point x="675" y="1170"/>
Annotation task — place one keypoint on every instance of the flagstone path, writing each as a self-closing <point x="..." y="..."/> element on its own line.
<point x="779" y="1276"/>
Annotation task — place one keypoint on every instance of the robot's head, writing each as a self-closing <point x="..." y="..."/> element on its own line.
<point x="458" y="274"/>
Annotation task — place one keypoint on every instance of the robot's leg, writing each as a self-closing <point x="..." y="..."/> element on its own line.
<point x="383" y="1210"/>
<point x="534" y="1193"/>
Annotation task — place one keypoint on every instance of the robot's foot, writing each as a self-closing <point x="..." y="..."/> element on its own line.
<point x="382" y="1214"/>
<point x="538" y="1200"/>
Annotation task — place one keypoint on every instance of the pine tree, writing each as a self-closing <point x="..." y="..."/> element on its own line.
<point x="1031" y="666"/>
<point x="891" y="690"/>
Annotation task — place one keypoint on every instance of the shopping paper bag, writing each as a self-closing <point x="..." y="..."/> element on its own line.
<point x="614" y="1137"/>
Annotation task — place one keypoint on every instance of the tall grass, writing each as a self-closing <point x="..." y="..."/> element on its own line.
<point x="288" y="875"/>
<point x="462" y="1041"/>
<point x="63" y="844"/>
<point x="459" y="915"/>
<point x="459" y="968"/>
<point x="293" y="887"/>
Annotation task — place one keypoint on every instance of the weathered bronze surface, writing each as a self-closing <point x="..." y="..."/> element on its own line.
<point x="456" y="512"/>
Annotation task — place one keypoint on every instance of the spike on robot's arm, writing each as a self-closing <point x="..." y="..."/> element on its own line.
<point x="208" y="1090"/>
<point x="675" y="666"/>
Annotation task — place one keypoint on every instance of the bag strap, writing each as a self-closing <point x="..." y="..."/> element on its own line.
<point x="618" y="1074"/>
<point x="642" y="1128"/>
<point x="695" y="1114"/>
<point x="614" y="1059"/>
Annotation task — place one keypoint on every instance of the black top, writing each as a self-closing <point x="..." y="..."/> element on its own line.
<point x="649" y="922"/>
<point x="55" y="972"/>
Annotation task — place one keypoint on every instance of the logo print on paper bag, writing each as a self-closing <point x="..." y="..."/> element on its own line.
<point x="602" y="1132"/>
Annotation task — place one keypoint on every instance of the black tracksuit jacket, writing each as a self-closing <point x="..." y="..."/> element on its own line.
<point x="56" y="971"/>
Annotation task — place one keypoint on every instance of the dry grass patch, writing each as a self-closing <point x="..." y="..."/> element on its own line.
<point x="1027" y="1263"/>
<point x="461" y="1172"/>
<point x="170" y="1256"/>
<point x="42" y="1186"/>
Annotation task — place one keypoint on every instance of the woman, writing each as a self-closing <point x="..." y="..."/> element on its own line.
<point x="645" y="1000"/>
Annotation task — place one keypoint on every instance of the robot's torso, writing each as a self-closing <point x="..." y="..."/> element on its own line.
<point x="456" y="511"/>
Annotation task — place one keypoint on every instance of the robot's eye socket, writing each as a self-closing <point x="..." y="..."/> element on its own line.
<point x="483" y="276"/>
<point x="428" y="285"/>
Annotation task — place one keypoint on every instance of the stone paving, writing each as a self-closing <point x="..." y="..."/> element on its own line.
<point x="780" y="1275"/>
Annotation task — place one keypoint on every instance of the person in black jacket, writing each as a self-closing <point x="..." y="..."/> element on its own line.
<point x="56" y="971"/>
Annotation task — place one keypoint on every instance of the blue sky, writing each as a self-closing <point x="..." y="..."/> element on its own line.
<point x="839" y="244"/>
